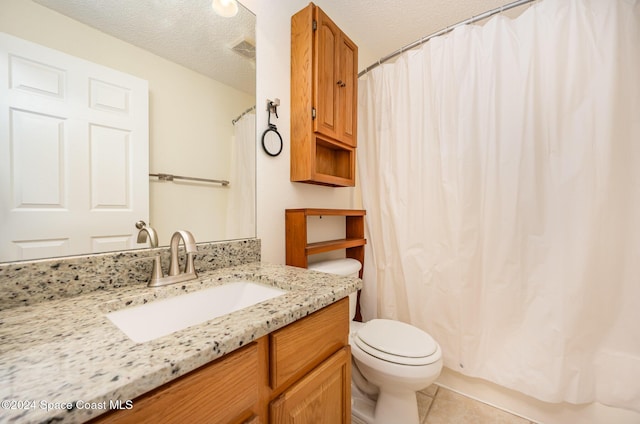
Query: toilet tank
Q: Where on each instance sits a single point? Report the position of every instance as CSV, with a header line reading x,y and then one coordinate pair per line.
x,y
346,267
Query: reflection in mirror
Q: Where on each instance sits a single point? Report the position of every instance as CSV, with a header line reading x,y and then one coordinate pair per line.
x,y
200,71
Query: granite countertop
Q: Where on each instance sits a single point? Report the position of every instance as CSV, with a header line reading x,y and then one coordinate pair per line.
x,y
66,354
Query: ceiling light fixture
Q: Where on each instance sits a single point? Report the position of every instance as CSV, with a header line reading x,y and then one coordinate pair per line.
x,y
225,8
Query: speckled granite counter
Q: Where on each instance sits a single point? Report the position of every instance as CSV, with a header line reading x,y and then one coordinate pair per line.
x,y
65,351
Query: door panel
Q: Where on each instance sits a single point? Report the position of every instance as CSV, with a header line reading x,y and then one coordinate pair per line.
x,y
322,397
324,96
37,158
108,97
36,77
109,169
348,93
74,144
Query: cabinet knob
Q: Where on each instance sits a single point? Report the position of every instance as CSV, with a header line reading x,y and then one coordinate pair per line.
x,y
340,83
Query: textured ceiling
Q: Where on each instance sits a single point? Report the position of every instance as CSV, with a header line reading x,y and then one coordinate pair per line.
x,y
184,31
190,33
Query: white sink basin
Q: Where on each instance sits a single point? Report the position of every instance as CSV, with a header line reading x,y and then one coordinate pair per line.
x,y
156,319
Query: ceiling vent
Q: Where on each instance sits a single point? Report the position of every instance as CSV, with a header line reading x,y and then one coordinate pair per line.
x,y
245,47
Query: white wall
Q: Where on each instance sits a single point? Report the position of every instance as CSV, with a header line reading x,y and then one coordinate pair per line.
x,y
189,117
275,191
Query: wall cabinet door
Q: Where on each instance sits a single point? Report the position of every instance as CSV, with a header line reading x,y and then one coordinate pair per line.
x,y
322,397
335,94
326,59
347,86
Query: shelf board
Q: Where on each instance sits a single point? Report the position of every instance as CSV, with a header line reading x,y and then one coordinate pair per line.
x,y
329,245
330,212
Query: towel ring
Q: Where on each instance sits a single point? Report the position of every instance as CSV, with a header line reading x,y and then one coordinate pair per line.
x,y
271,144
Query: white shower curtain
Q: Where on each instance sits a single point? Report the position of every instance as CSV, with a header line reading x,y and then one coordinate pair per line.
x,y
241,211
500,170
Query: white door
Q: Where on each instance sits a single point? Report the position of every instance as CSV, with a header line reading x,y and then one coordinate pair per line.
x,y
74,145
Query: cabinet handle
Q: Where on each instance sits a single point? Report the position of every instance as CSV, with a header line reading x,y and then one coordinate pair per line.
x,y
340,83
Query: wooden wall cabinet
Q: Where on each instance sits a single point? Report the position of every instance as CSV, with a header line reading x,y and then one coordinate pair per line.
x,y
300,373
324,93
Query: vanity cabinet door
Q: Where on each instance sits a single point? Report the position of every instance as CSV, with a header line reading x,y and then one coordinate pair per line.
x,y
321,397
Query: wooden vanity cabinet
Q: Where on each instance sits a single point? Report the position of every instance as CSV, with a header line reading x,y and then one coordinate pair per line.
x,y
300,373
324,92
310,373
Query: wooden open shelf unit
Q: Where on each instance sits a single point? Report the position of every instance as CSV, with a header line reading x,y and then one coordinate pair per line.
x,y
297,248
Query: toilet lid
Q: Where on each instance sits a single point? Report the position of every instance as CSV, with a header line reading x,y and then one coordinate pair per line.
x,y
397,342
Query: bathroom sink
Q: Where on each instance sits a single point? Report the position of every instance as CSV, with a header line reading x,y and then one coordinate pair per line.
x,y
162,317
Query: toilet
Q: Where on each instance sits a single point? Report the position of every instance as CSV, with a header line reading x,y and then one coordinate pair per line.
x,y
391,361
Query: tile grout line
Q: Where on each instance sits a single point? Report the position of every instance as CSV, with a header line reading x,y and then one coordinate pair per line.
x,y
433,400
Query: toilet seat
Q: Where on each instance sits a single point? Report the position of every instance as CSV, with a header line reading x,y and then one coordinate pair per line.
x,y
397,342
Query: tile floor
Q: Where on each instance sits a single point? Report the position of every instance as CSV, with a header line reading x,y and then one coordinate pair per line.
x,y
438,405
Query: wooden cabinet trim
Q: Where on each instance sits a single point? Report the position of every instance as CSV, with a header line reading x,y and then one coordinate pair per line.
x,y
301,98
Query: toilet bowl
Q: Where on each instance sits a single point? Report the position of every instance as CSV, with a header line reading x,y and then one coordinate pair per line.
x,y
391,361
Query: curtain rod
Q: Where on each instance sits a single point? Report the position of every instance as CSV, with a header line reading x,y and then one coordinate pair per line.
x,y
444,31
233,121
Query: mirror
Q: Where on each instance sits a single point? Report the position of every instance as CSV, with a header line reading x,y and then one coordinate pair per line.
x,y
200,68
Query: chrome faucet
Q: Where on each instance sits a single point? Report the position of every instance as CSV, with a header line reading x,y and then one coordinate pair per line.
x,y
175,275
